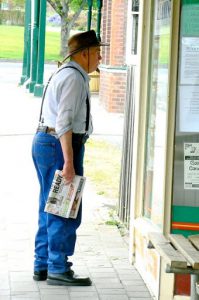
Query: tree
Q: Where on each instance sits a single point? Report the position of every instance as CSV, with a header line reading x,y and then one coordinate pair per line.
x,y
69,11
19,4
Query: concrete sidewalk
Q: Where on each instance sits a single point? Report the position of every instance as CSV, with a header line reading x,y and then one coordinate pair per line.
x,y
101,252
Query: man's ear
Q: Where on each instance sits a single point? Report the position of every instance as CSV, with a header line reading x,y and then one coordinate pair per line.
x,y
85,53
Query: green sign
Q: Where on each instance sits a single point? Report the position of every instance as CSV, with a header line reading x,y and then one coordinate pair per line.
x,y
190,18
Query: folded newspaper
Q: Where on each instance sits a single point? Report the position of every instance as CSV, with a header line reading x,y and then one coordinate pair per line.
x,y
64,199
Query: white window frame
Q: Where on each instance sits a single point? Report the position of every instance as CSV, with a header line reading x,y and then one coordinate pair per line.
x,y
131,59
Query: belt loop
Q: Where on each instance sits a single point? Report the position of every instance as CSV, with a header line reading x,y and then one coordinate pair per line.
x,y
42,128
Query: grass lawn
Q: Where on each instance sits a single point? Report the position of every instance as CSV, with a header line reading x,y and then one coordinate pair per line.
x,y
102,167
12,43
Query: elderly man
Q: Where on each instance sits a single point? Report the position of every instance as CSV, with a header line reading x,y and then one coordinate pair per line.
x,y
65,125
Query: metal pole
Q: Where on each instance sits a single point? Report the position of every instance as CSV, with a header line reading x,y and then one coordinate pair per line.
x,y
27,36
29,48
38,89
34,46
194,280
99,14
90,6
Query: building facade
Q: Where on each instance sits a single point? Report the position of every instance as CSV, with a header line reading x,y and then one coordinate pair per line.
x,y
159,42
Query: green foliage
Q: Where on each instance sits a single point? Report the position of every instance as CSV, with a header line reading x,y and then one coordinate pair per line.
x,y
115,221
19,3
75,4
12,17
14,4
111,222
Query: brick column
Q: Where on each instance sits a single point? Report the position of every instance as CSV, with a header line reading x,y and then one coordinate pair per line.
x,y
113,74
118,32
106,30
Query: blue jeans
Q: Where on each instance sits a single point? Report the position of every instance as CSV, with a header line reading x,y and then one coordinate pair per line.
x,y
56,236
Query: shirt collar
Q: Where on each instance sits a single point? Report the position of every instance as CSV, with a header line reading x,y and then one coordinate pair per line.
x,y
76,65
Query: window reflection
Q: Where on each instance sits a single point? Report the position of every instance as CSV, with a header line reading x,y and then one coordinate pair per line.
x,y
135,5
135,20
157,110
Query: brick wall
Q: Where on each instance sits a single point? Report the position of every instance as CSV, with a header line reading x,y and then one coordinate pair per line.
x,y
112,76
118,32
113,90
106,30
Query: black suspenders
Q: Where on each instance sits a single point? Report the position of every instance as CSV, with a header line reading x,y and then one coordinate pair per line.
x,y
87,99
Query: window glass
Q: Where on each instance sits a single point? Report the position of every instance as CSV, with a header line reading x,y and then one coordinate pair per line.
x,y
157,113
135,5
134,34
135,20
185,208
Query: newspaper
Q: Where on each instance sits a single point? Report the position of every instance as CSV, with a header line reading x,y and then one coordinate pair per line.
x,y
64,199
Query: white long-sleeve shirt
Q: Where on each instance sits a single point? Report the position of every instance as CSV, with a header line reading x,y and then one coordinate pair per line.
x,y
64,105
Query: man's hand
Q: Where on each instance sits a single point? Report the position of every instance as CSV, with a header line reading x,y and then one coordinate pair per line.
x,y
68,172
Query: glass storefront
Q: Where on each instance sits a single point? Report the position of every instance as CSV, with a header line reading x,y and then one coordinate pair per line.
x,y
157,112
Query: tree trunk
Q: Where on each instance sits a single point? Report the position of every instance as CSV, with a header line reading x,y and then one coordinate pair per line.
x,y
67,24
65,33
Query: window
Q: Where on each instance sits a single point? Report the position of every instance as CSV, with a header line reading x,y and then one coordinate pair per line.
x,y
135,20
132,31
185,208
157,113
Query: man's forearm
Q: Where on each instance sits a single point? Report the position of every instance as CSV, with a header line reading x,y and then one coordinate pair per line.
x,y
66,144
67,149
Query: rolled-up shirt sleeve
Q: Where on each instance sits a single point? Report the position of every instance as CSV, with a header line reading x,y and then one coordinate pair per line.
x,y
69,102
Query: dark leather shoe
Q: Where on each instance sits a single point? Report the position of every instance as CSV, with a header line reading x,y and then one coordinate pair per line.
x,y
40,275
67,278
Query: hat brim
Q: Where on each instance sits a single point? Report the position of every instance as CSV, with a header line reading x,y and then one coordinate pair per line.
x,y
100,44
104,44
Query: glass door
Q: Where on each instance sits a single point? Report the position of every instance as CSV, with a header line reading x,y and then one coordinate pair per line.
x,y
157,112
